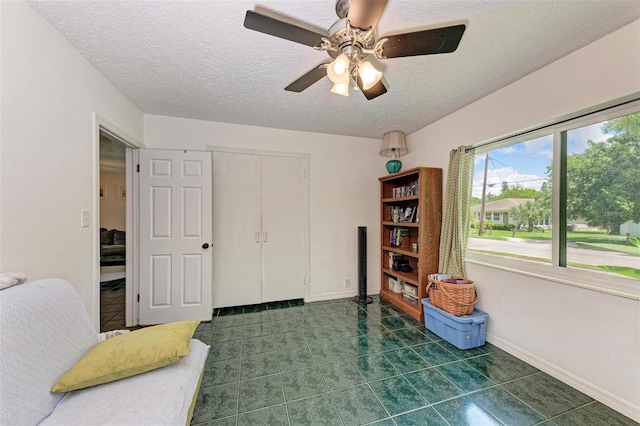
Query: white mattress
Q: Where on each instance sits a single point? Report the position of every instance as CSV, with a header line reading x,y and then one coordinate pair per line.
x,y
159,397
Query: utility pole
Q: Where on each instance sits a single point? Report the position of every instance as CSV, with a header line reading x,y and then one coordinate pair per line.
x,y
484,193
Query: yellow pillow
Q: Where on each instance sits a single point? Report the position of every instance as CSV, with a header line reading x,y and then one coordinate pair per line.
x,y
129,354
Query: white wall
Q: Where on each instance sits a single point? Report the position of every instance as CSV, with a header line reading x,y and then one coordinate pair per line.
x,y
49,162
344,190
589,339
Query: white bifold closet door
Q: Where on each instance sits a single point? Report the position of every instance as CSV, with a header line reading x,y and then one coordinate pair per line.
x,y
258,226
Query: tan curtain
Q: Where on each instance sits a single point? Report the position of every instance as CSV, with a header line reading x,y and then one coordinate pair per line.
x,y
455,216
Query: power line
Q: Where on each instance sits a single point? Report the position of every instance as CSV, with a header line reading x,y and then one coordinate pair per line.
x,y
507,166
495,169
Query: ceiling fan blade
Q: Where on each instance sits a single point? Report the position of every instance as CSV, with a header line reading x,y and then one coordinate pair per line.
x,y
365,14
427,42
373,92
268,25
308,79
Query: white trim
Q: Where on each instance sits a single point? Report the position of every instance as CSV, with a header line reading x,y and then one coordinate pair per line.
x,y
99,124
135,236
305,200
334,295
595,392
613,285
616,112
512,140
555,199
131,314
216,148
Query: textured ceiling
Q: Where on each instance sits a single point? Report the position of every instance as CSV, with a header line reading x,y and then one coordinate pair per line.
x,y
195,59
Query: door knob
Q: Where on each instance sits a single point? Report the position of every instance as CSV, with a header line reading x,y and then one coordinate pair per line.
x,y
205,246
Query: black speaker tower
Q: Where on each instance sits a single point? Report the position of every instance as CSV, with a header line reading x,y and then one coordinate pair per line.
x,y
362,298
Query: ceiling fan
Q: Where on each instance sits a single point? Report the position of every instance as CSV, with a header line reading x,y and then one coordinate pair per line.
x,y
351,41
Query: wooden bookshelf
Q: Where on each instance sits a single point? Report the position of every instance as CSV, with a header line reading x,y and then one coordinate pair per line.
x,y
414,195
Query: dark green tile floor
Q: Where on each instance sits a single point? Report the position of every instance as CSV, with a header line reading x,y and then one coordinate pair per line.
x,y
338,363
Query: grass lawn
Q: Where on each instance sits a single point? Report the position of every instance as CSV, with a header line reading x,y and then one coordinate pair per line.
x,y
619,270
624,248
591,239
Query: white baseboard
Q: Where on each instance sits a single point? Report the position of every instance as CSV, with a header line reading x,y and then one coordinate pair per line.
x,y
607,398
331,296
340,295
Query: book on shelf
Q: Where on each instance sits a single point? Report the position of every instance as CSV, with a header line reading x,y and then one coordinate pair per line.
x,y
405,191
396,236
402,214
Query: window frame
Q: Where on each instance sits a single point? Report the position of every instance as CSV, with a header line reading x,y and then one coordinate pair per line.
x,y
557,271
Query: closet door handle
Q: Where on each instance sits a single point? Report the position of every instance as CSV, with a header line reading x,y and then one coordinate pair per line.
x,y
257,236
265,236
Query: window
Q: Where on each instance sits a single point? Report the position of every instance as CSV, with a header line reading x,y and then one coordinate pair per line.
x,y
585,217
602,181
517,176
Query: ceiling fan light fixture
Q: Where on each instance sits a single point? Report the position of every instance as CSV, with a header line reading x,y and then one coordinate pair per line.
x,y
349,40
369,74
341,88
338,70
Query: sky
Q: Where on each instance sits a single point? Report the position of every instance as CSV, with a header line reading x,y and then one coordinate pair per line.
x,y
526,163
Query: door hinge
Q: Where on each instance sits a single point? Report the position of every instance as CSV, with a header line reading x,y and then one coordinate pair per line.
x,y
138,168
138,298
304,172
304,281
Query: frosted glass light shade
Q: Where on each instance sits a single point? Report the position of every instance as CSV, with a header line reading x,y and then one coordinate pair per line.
x,y
369,75
338,70
393,141
341,88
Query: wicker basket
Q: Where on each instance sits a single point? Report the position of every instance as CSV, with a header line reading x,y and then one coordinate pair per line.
x,y
457,299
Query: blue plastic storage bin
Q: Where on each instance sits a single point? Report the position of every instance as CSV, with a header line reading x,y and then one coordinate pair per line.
x,y
464,332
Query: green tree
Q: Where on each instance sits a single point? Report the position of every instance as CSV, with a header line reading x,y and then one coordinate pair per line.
x,y
529,212
517,191
475,201
603,182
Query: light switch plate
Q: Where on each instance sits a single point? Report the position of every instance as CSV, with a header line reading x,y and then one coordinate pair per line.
x,y
85,218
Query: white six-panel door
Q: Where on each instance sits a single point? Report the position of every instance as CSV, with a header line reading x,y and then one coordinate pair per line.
x,y
175,232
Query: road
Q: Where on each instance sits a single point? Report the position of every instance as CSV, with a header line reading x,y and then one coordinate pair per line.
x,y
542,249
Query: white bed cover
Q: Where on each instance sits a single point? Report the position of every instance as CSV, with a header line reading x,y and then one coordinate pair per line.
x,y
159,397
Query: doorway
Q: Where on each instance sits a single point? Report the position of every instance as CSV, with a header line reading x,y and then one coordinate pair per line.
x,y
113,229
